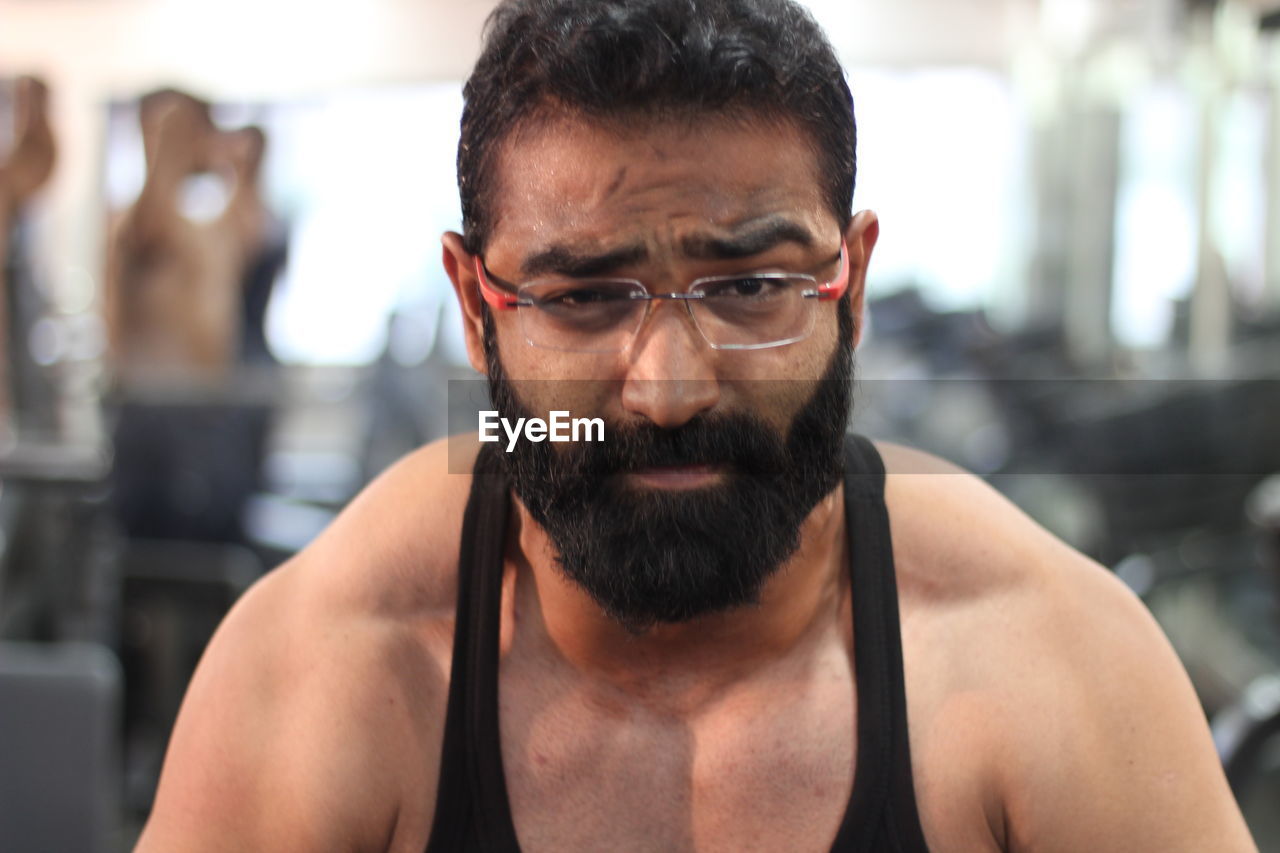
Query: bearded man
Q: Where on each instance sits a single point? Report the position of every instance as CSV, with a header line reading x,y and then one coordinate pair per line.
x,y
725,627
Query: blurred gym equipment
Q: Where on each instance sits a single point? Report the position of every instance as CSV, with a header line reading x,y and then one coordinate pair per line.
x,y
59,747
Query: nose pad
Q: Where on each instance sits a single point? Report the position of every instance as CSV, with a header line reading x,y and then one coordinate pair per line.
x,y
670,377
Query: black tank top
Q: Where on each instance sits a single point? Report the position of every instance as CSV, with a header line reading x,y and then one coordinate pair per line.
x,y
472,811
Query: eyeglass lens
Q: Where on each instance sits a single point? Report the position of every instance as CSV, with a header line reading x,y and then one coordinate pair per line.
x,y
603,316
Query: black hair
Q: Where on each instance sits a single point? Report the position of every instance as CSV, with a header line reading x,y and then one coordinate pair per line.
x,y
612,59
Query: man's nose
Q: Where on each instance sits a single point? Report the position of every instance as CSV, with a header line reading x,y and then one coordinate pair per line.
x,y
670,374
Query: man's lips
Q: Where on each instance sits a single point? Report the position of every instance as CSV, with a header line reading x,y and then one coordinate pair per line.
x,y
677,476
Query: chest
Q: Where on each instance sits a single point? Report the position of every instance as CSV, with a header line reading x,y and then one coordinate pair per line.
x,y
769,767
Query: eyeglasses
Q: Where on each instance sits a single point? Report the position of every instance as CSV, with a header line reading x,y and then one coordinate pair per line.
x,y
602,315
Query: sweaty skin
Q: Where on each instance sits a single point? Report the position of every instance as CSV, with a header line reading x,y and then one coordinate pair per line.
x,y
1047,712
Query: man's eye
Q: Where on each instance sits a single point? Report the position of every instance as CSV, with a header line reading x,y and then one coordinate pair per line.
x,y
573,297
746,287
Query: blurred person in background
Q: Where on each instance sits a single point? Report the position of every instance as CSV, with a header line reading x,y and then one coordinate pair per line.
x,y
702,633
174,282
190,268
26,168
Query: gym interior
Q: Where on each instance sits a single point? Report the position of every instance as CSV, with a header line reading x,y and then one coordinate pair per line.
x,y
1076,295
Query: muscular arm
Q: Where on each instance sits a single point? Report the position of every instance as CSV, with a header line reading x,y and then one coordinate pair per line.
x,y
267,753
1116,754
1048,680
314,720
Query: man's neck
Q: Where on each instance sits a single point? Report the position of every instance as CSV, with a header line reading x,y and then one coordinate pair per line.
x,y
690,663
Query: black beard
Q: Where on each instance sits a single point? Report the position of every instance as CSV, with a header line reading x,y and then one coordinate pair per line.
x,y
651,557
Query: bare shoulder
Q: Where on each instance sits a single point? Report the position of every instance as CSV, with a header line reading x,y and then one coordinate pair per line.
x,y
315,718
394,549
959,542
1039,660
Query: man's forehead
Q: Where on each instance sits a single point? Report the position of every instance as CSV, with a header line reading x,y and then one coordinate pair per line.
x,y
598,183
703,241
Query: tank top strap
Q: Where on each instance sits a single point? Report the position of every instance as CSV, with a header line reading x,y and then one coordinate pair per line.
x,y
882,813
471,798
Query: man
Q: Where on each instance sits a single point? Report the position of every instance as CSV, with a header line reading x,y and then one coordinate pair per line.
x,y
686,637
174,284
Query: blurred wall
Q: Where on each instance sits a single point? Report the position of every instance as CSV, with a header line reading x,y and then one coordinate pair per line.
x,y
91,51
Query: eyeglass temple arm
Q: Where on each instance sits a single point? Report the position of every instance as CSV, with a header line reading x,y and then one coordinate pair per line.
x,y
835,288
496,299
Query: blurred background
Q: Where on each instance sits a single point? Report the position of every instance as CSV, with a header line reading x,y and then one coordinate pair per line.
x,y
1076,295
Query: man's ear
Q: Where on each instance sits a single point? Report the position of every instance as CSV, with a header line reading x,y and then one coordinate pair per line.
x,y
860,239
459,264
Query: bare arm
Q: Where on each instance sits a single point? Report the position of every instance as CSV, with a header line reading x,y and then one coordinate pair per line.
x,y
1113,753
246,215
315,719
266,754
32,160
1087,730
182,140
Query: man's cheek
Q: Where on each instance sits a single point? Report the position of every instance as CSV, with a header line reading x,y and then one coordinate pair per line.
x,y
578,397
776,403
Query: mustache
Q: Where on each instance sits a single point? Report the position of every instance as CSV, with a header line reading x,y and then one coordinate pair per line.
x,y
737,441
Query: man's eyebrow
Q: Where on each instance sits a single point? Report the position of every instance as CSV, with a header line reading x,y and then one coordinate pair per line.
x,y
565,260
754,241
